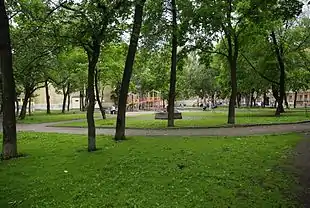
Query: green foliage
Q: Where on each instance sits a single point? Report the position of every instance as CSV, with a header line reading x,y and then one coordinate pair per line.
x,y
201,79
33,46
71,68
152,71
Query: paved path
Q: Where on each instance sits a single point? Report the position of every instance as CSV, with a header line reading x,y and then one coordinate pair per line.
x,y
237,131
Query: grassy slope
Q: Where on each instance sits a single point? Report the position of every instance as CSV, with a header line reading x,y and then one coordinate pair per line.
x,y
145,172
203,119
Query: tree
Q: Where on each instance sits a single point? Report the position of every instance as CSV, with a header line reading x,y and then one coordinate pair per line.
x,y
33,47
109,71
173,73
201,77
9,148
121,114
67,74
90,25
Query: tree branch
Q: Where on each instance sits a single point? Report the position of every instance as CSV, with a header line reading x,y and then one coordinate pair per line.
x,y
259,73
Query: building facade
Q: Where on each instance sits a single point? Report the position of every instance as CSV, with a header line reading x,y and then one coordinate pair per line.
x,y
38,102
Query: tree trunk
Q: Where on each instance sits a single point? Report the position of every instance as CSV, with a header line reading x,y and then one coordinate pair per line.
x,y
47,96
29,107
93,56
24,106
173,72
275,93
279,55
121,113
233,51
98,97
252,99
69,102
247,100
232,110
213,99
81,100
91,101
64,101
9,147
286,103
295,99
264,100
238,100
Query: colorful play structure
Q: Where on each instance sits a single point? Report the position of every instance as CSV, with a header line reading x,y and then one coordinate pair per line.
x,y
151,101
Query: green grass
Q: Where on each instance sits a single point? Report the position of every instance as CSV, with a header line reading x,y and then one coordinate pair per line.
x,y
203,119
145,172
55,116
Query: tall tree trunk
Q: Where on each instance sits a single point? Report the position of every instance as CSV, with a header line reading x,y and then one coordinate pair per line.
x,y
295,99
93,56
9,147
233,51
232,110
286,103
23,111
279,54
47,96
173,72
29,106
64,101
69,102
122,100
91,107
97,95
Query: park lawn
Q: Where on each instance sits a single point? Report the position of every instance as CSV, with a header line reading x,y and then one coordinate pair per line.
x,y
202,119
55,116
149,172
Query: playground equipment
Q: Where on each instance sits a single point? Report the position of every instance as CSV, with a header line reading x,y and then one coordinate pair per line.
x,y
152,101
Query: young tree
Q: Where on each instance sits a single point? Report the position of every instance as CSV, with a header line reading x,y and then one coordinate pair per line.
x,y
121,114
9,148
90,25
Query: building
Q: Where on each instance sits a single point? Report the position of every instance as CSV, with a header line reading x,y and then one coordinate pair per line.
x,y
302,98
56,99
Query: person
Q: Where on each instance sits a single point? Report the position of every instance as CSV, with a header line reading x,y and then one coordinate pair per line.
x,y
113,110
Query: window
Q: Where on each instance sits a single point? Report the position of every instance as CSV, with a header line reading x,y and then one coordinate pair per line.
x,y
306,97
76,101
291,98
300,97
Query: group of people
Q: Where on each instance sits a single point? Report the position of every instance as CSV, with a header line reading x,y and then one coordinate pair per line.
x,y
208,105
